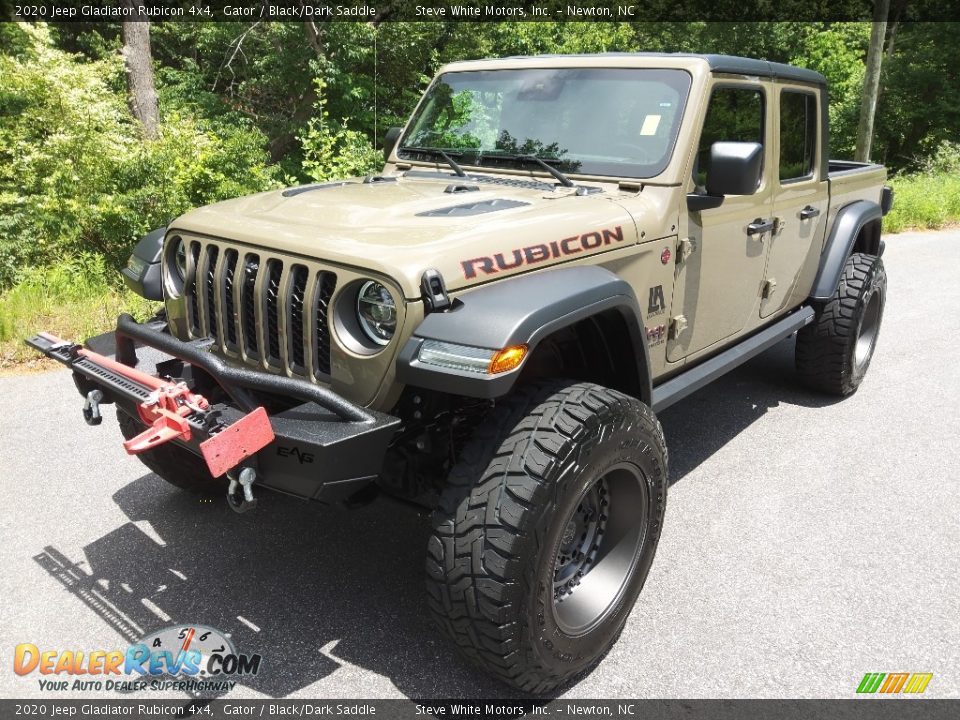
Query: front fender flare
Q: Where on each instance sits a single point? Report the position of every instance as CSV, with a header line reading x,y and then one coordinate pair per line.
x,y
521,310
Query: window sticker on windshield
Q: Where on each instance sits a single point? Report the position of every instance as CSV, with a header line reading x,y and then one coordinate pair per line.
x,y
650,125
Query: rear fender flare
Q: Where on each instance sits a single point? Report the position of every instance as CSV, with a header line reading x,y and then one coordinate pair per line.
x,y
847,226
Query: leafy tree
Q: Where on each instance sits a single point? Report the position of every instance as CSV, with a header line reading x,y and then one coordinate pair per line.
x,y
918,108
75,173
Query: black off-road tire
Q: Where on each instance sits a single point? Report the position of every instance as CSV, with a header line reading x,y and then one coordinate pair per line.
x,y
176,465
548,457
834,351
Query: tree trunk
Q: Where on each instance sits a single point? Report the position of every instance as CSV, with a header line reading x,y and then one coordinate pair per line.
x,y
142,93
871,83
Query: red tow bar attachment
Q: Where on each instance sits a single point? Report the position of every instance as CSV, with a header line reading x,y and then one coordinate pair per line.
x,y
165,412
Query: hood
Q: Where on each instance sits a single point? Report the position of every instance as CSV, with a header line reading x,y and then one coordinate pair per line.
x,y
472,229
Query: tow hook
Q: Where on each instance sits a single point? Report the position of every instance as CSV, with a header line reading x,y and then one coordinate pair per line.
x,y
91,408
240,493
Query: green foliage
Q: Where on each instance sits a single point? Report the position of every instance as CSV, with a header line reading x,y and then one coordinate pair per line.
x,y
919,91
930,198
75,173
74,299
925,200
945,159
838,52
331,150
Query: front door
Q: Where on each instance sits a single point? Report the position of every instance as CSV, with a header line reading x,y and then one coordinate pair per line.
x,y
719,278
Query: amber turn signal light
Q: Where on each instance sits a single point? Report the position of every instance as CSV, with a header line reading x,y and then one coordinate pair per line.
x,y
507,359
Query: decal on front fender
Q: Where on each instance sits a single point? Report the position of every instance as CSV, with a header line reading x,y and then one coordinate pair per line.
x,y
531,254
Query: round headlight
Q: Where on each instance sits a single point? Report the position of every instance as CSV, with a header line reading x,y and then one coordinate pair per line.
x,y
174,266
180,259
376,312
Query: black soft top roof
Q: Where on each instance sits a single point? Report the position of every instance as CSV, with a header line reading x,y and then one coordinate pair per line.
x,y
723,64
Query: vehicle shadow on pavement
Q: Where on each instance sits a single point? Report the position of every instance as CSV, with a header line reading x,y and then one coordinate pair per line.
x,y
314,589
701,424
323,586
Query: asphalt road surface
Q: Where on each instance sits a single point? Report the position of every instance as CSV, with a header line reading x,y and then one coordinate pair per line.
x,y
807,541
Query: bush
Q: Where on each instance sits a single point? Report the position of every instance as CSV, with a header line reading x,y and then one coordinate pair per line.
x,y
75,173
331,150
927,200
945,159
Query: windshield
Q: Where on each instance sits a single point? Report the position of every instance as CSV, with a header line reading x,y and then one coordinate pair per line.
x,y
621,122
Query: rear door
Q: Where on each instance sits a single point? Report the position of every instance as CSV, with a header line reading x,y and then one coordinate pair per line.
x,y
800,198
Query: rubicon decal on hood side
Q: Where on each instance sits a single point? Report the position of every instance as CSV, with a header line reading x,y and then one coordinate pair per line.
x,y
538,253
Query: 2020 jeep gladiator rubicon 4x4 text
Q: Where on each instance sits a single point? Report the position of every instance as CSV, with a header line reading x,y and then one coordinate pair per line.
x,y
556,249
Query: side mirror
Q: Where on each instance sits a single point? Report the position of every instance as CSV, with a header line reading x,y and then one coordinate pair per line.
x,y
735,168
390,142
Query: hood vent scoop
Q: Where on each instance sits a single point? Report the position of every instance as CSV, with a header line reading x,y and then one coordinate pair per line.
x,y
477,208
453,189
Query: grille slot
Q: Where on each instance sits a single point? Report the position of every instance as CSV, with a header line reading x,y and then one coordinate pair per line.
x,y
272,292
326,283
210,287
192,294
248,301
228,303
295,335
269,312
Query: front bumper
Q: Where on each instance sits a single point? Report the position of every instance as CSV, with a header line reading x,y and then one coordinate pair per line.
x,y
324,447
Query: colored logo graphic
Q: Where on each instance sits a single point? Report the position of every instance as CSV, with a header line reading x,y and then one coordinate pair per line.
x,y
891,683
194,652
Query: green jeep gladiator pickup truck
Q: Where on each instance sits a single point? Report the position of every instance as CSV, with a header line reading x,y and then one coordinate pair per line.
x,y
557,248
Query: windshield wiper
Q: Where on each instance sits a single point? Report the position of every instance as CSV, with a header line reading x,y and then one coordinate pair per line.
x,y
564,180
542,162
437,152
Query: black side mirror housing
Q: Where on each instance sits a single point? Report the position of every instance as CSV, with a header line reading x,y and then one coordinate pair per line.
x,y
735,168
390,142
142,273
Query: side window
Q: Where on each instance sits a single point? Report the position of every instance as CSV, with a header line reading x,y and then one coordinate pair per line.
x,y
734,114
798,134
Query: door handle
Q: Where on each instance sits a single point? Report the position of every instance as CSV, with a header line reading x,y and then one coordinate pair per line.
x,y
809,212
760,226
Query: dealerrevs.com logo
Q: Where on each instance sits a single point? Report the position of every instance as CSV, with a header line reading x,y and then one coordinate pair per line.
x,y
192,658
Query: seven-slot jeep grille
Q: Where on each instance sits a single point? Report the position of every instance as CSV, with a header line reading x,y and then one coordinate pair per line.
x,y
264,310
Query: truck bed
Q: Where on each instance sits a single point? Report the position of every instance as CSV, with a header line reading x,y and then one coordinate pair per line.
x,y
850,181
